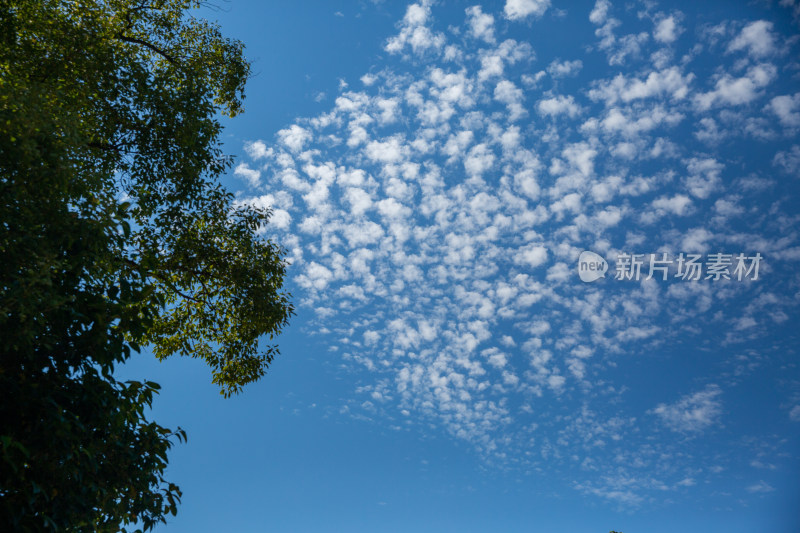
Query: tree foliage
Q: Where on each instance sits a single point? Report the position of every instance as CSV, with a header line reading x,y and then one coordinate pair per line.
x,y
114,233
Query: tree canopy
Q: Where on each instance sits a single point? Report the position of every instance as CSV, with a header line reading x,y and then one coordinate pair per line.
x,y
115,233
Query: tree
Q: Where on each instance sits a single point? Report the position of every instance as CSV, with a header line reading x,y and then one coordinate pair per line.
x,y
115,233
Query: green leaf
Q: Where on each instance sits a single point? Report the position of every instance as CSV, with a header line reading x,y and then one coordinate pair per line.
x,y
102,100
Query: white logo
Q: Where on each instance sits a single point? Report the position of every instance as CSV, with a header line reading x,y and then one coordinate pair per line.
x,y
591,267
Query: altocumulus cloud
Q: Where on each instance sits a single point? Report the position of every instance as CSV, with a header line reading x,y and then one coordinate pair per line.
x,y
434,215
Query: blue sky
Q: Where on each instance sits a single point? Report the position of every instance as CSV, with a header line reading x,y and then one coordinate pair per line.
x,y
435,169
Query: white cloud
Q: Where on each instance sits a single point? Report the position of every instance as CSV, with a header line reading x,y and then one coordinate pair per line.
x,y
532,255
389,108
511,95
692,413
258,150
369,79
580,157
294,137
414,32
520,9
291,179
599,13
558,105
618,49
668,82
479,159
316,276
391,208
252,176
556,382
728,207
608,217
709,131
457,143
279,218
526,183
389,151
633,123
626,46
563,69
756,38
667,30
737,91
358,135
704,176
677,205
481,25
570,202
788,160
359,199
762,487
696,240
787,109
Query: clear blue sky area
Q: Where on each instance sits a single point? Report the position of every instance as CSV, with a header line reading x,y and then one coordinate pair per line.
x,y
436,171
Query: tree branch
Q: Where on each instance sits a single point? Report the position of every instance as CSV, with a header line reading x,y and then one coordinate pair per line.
x,y
152,47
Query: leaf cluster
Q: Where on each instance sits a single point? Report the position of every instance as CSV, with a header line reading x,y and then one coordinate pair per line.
x,y
114,233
